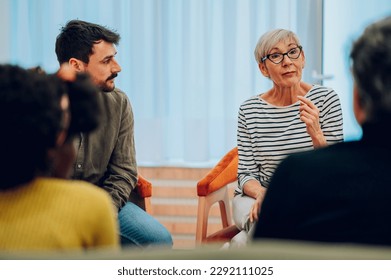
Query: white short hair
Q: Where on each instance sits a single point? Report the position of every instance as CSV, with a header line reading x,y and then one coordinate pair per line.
x,y
268,40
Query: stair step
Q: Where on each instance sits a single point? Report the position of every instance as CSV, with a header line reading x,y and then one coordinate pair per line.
x,y
188,228
175,202
173,173
181,210
174,192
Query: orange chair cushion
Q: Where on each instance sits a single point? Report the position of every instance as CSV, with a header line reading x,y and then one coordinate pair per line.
x,y
144,187
223,173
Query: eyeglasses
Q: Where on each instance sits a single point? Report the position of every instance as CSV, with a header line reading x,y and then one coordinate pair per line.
x,y
276,58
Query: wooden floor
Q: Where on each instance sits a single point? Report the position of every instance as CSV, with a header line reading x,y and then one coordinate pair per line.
x,y
174,202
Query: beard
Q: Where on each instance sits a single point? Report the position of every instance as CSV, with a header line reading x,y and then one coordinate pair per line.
x,y
108,85
105,87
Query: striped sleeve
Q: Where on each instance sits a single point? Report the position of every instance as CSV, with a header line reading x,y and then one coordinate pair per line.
x,y
246,156
331,117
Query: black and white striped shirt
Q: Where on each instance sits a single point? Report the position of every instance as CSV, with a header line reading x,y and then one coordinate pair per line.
x,y
268,133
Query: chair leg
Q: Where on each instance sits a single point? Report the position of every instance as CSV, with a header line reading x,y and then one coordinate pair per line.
x,y
204,205
202,220
225,209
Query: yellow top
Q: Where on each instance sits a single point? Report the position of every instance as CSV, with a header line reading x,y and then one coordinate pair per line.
x,y
56,214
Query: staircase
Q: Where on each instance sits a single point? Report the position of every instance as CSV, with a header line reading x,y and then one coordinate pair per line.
x,y
174,202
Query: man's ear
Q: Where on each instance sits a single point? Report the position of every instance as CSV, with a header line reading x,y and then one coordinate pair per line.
x,y
358,107
76,64
263,69
66,72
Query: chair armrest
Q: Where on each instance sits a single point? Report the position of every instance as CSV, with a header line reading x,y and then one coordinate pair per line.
x,y
223,173
144,187
141,196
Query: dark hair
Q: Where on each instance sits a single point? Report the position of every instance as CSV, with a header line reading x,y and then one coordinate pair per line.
x,y
85,105
85,102
371,66
30,119
77,38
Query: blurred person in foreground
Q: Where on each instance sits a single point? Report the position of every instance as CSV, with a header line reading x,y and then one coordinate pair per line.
x,y
342,193
37,211
290,117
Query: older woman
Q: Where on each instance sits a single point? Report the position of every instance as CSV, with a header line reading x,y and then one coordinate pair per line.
x,y
292,116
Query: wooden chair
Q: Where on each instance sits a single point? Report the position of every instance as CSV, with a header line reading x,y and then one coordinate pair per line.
x,y
211,189
142,194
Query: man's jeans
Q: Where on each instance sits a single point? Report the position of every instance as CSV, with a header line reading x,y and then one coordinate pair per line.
x,y
138,228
